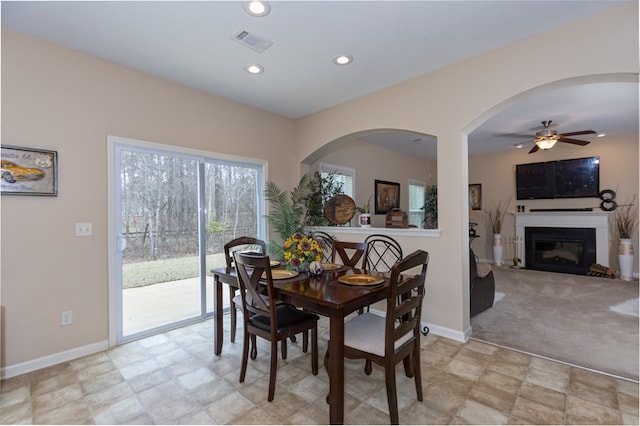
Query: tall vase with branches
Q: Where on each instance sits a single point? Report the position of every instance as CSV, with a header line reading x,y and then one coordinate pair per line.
x,y
496,216
625,224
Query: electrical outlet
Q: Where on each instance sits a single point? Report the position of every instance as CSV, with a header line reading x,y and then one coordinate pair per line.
x,y
84,229
66,318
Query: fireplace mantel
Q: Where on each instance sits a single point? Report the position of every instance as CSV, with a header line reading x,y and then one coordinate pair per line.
x,y
569,219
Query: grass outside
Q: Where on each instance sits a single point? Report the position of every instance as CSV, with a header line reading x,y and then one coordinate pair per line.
x,y
140,274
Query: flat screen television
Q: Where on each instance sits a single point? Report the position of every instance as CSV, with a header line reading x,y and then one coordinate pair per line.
x,y
575,178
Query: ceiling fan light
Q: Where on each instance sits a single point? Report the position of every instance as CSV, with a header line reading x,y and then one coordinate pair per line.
x,y
546,143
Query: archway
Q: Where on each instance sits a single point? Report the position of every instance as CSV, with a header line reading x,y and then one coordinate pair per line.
x,y
398,155
616,134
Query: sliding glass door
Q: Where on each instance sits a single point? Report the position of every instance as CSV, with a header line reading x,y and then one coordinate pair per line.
x,y
172,213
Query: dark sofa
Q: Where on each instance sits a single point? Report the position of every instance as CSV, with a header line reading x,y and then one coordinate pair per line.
x,y
482,288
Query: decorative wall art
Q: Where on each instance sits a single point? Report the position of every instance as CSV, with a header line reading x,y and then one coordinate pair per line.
x,y
387,196
475,196
28,171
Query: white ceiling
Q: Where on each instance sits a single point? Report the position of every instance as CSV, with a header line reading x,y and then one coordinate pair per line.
x,y
392,41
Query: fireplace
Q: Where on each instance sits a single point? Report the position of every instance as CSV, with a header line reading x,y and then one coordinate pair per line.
x,y
566,247
567,250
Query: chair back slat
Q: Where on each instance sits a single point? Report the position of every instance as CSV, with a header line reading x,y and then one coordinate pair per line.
x,y
326,242
243,245
249,269
404,304
349,253
404,328
382,252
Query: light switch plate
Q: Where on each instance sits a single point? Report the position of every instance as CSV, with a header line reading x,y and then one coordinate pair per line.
x,y
84,229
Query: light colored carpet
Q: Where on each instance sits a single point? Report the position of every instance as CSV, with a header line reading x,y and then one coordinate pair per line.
x,y
628,307
568,318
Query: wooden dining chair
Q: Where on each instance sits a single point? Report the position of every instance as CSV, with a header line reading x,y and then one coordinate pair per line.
x,y
387,341
266,318
242,244
382,253
327,244
349,253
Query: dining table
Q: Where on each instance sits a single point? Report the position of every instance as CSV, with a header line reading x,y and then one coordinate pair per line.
x,y
326,294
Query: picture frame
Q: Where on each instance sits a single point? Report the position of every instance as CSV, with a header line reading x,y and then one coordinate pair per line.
x,y
475,196
387,196
28,171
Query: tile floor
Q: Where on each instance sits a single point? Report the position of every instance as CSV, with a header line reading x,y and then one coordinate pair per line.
x,y
174,378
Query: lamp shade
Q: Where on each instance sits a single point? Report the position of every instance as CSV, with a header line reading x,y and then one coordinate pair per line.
x,y
546,143
546,139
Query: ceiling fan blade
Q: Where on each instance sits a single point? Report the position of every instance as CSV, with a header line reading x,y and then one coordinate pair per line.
x,y
534,149
573,141
583,132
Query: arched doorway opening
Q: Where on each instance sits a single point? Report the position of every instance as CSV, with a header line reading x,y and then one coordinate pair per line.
x,y
605,103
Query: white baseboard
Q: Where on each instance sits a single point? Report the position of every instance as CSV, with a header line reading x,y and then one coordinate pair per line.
x,y
448,332
438,330
49,360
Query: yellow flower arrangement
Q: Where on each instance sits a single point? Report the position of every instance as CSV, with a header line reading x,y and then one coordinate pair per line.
x,y
300,251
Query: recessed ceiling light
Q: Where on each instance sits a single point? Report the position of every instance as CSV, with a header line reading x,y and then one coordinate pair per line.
x,y
343,59
518,145
254,69
601,135
257,8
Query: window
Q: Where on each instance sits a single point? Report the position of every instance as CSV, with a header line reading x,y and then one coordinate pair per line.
x,y
416,201
345,175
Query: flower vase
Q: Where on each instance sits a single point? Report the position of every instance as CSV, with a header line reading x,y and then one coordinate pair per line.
x,y
304,267
497,249
625,259
365,220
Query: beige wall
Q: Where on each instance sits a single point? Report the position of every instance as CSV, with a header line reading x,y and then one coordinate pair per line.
x,y
451,102
496,173
53,98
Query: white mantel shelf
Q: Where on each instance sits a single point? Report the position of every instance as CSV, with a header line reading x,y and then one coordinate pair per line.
x,y
569,219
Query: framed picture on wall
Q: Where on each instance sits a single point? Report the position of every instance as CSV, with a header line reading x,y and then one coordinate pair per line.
x,y
475,196
387,196
28,171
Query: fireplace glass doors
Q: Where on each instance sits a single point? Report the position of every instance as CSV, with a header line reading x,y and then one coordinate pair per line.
x,y
568,250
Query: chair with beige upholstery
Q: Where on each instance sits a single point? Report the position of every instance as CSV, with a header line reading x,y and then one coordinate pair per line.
x,y
387,341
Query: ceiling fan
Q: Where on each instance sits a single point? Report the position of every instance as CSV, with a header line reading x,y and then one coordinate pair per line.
x,y
547,138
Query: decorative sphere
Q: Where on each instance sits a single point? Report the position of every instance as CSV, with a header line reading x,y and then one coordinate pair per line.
x,y
316,268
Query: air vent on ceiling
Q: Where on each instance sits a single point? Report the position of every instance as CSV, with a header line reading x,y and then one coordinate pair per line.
x,y
251,40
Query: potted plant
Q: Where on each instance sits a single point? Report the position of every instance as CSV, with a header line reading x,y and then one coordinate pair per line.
x,y
318,189
294,211
496,218
365,214
430,208
625,223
